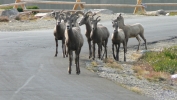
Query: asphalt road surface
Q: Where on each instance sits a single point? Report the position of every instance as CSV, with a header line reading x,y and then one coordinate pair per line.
x,y
29,70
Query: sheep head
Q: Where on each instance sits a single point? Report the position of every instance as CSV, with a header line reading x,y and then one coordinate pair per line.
x,y
94,23
71,21
85,18
120,19
115,25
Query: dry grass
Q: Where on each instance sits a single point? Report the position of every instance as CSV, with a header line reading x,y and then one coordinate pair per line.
x,y
110,62
173,13
136,89
94,63
26,17
136,55
4,19
144,70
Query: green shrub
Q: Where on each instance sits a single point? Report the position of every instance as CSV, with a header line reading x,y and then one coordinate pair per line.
x,y
20,9
33,7
165,61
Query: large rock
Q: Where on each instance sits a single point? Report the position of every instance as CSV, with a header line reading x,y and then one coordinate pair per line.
x,y
156,13
101,11
9,13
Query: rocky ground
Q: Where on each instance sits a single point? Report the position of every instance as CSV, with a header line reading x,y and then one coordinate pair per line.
x,y
163,90
125,76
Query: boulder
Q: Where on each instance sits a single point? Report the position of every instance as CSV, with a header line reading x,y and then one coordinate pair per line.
x,y
9,13
101,11
156,13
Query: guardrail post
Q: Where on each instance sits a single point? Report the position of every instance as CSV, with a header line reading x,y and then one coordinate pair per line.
x,y
16,6
80,5
142,11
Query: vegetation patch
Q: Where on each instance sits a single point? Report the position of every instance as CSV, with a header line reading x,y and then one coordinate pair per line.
x,y
136,89
165,61
94,63
4,19
157,66
173,13
110,62
33,7
7,8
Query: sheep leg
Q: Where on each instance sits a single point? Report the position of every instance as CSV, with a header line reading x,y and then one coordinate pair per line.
x,y
142,36
117,52
105,49
56,40
126,41
113,51
77,62
90,49
70,61
139,40
125,50
93,57
66,50
63,48
99,50
105,46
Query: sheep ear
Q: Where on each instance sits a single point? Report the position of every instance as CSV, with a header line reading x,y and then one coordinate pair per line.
x,y
120,14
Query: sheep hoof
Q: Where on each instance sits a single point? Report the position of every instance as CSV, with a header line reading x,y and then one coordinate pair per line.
x,y
93,58
69,71
90,57
78,72
55,56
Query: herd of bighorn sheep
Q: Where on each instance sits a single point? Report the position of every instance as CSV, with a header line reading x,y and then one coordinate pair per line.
x,y
68,30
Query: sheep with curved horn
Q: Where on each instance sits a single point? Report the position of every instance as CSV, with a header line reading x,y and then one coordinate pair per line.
x,y
87,21
134,30
99,35
74,42
59,31
117,38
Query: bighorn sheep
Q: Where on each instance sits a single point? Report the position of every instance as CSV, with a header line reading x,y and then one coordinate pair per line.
x,y
132,30
117,38
99,35
74,42
86,20
73,17
59,31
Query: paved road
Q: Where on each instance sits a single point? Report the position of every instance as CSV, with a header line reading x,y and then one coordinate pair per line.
x,y
29,70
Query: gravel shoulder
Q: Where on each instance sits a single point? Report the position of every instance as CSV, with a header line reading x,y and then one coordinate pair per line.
x,y
124,77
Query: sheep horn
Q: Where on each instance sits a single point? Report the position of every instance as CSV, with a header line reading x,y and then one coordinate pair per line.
x,y
93,16
62,11
73,15
98,17
79,12
88,13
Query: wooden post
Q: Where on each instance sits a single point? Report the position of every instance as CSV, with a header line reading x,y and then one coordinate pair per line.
x,y
16,6
80,5
139,2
